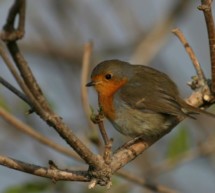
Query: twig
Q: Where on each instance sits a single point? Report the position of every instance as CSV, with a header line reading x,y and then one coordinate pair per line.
x,y
191,54
204,149
32,133
138,180
103,131
108,143
153,41
54,174
200,86
84,77
84,93
10,33
206,8
15,91
18,8
14,72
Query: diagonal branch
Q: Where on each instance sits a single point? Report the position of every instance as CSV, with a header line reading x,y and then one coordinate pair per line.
x,y
52,173
191,54
142,182
200,86
15,91
34,93
34,134
10,33
206,8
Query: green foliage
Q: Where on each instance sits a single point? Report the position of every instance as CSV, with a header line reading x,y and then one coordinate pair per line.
x,y
30,187
179,144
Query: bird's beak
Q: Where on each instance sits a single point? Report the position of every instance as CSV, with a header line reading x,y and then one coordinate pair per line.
x,y
92,83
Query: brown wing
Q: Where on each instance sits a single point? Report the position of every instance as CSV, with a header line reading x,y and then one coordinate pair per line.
x,y
152,91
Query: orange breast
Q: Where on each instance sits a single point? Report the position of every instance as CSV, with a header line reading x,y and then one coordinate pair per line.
x,y
106,103
106,94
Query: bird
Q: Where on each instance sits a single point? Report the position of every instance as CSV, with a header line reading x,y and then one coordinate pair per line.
x,y
139,100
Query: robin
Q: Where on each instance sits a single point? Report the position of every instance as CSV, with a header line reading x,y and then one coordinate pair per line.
x,y
139,100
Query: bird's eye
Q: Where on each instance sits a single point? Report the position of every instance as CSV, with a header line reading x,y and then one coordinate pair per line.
x,y
108,76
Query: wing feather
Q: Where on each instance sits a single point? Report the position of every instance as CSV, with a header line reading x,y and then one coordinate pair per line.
x,y
152,91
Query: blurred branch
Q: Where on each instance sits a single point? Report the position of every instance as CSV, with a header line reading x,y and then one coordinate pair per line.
x,y
15,74
206,8
35,135
142,182
84,77
14,90
206,148
151,44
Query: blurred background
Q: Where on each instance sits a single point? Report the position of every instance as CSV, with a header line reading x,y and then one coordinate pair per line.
x,y
138,31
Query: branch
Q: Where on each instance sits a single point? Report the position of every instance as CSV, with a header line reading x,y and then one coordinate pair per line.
x,y
15,91
191,54
10,33
15,74
206,8
84,77
52,173
153,41
32,133
34,93
144,183
44,140
205,149
200,86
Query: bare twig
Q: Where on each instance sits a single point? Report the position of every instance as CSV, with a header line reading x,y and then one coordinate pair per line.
x,y
10,33
142,182
200,86
191,54
14,72
15,91
84,78
31,132
54,174
206,8
205,149
18,8
149,45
